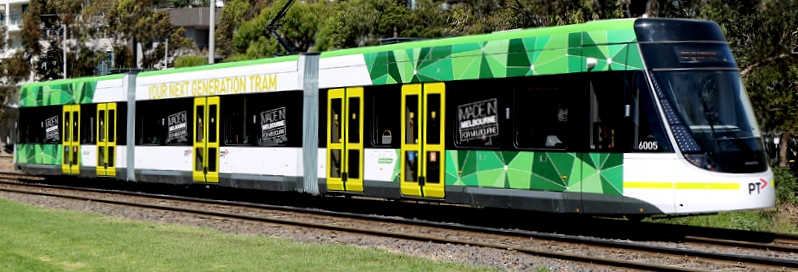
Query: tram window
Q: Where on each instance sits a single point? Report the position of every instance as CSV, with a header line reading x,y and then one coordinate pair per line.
x,y
34,124
234,110
354,120
648,135
75,123
111,125
335,120
30,130
88,126
101,125
52,126
478,112
121,123
176,120
151,122
212,112
278,118
411,119
544,115
433,120
386,118
607,112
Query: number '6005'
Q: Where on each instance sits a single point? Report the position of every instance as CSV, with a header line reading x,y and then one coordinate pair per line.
x,y
647,145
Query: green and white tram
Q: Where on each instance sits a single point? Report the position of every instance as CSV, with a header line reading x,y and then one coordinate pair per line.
x,y
624,117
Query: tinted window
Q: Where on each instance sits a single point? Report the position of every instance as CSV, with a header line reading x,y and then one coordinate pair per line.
x,y
608,116
549,112
478,111
386,115
236,124
278,118
648,134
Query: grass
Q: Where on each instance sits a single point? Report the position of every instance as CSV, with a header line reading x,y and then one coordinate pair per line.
x,y
779,221
38,239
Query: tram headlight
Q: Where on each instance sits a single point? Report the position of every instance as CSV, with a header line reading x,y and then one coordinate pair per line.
x,y
701,160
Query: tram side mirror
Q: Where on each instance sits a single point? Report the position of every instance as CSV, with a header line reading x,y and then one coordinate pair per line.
x,y
627,110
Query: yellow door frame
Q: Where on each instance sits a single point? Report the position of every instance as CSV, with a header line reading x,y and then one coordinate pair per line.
x,y
411,144
102,135
336,137
434,152
205,164
340,144
110,139
199,162
106,139
212,136
70,140
418,151
354,143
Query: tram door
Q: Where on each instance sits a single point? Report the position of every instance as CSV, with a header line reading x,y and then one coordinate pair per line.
x,y
206,139
70,139
423,146
345,140
106,139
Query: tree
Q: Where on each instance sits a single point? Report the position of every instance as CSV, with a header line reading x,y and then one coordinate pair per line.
x,y
300,26
233,14
134,20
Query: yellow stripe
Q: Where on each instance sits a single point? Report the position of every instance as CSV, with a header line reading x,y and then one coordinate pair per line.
x,y
648,185
681,185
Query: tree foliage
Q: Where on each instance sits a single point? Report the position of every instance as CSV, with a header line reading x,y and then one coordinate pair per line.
x,y
189,61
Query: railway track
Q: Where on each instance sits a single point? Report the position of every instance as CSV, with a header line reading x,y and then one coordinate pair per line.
x,y
783,243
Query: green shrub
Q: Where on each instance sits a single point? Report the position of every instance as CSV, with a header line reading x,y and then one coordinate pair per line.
x,y
188,61
785,186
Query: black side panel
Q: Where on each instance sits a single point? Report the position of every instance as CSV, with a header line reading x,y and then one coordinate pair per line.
x,y
168,177
255,182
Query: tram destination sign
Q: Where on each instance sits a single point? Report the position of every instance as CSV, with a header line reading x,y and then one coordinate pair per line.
x,y
478,120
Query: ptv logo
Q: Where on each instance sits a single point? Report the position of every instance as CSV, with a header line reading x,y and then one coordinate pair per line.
x,y
757,186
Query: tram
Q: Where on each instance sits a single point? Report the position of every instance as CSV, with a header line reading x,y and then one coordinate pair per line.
x,y
615,117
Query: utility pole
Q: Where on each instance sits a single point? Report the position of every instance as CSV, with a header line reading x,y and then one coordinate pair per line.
x,y
211,33
166,55
65,50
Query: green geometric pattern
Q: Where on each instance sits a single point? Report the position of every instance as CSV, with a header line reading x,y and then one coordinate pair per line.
x,y
38,154
600,173
80,92
614,50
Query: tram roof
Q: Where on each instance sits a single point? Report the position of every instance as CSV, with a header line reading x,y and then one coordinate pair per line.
x,y
604,29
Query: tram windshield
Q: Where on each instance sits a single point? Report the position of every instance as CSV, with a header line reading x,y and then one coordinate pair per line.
x,y
715,107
